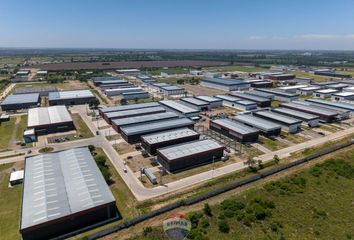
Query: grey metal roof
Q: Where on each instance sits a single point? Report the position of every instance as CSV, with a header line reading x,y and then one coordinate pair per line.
x,y
117,81
168,135
343,105
21,99
295,113
278,92
60,184
134,93
249,97
130,106
235,126
228,98
257,122
187,149
133,112
260,94
24,90
157,126
146,118
194,101
178,106
308,107
245,102
47,116
278,117
70,94
104,79
226,82
209,99
171,88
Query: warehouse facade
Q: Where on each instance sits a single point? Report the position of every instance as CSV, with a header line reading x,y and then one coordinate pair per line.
x,y
234,130
57,202
47,120
21,101
72,97
187,155
151,142
132,134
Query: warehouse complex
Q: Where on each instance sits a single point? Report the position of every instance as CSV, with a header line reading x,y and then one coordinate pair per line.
x,y
63,192
267,128
234,130
74,97
21,101
290,124
127,121
191,154
47,120
180,109
132,134
151,142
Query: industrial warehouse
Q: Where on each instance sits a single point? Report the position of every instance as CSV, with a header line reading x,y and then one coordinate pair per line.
x,y
238,103
225,84
152,142
105,110
181,109
234,130
196,103
290,124
132,113
191,154
74,97
261,101
310,119
127,121
132,134
20,101
267,128
212,101
47,120
57,202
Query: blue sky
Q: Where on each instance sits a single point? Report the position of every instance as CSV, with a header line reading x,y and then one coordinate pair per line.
x,y
183,24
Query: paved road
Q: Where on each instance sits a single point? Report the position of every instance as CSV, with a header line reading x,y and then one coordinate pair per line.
x,y
7,90
143,193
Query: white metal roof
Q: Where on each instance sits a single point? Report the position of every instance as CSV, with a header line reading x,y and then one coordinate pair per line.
x,y
21,99
168,135
187,149
178,106
344,94
326,91
60,184
70,94
17,175
48,115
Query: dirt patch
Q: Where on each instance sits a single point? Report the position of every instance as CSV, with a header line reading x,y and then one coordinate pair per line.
x,y
124,148
200,90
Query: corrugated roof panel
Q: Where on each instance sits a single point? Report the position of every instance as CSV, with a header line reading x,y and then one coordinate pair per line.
x,y
130,106
21,99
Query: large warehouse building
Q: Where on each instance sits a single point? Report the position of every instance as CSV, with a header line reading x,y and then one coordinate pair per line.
x,y
290,124
132,134
73,97
187,155
234,130
213,102
180,109
43,91
342,105
151,142
47,120
196,103
267,128
261,101
105,110
280,96
118,123
132,113
63,192
311,119
21,101
225,84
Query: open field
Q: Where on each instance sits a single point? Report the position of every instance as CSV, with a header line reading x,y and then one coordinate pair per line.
x,y
66,85
317,78
238,68
263,213
169,71
200,90
6,130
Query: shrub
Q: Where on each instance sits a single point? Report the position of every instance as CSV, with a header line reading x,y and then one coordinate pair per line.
x,y
207,210
92,148
194,217
204,223
224,227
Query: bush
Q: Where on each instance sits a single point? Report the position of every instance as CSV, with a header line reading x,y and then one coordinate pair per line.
x,y
91,148
204,223
275,225
194,218
207,210
224,227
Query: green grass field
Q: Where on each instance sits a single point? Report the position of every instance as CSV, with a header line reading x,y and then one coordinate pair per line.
x,y
81,126
239,68
6,129
21,128
316,203
10,202
169,71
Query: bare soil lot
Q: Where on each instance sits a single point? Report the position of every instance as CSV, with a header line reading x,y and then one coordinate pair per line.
x,y
200,90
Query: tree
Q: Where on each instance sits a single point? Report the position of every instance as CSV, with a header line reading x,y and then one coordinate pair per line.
x,y
136,100
250,162
276,159
91,148
207,210
94,103
224,227
123,101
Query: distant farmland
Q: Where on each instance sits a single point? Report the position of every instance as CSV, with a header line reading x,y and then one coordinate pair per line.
x,y
123,65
